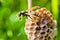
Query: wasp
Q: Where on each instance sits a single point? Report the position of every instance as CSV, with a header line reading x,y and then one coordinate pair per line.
x,y
24,13
27,14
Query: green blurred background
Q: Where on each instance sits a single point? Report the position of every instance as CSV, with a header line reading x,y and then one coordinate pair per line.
x,y
13,29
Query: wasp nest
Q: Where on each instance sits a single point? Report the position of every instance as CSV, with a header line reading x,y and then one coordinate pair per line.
x,y
41,25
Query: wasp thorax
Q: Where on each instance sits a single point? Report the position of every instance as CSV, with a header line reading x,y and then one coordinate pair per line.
x,y
41,25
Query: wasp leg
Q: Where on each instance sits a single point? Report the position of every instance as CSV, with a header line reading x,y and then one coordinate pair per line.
x,y
33,8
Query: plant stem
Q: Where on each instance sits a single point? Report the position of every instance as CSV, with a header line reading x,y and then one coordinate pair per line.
x,y
54,4
29,4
